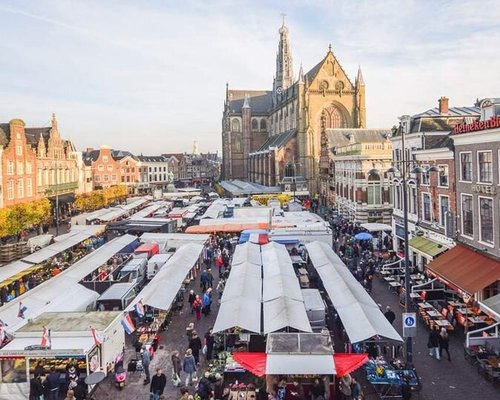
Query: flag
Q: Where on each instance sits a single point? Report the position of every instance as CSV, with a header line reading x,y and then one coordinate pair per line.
x,y
45,337
22,310
139,309
97,337
128,324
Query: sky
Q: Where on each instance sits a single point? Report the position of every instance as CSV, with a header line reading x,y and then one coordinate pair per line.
x,y
149,76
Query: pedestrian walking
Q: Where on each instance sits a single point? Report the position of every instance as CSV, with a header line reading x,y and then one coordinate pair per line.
x,y
204,280
189,366
433,343
209,342
220,288
356,390
444,342
198,305
207,301
317,390
158,384
176,368
389,314
184,393
189,331
191,299
345,386
204,389
195,346
37,388
52,383
146,360
210,278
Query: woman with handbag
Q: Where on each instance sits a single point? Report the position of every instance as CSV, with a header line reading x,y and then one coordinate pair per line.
x,y
189,367
176,369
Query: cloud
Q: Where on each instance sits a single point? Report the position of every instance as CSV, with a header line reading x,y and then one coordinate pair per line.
x,y
150,76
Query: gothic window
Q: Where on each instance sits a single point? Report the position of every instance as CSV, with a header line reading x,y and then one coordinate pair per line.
x,y
333,118
235,125
263,125
237,143
255,125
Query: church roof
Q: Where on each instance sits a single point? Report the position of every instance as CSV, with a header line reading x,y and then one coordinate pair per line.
x,y
278,140
342,137
260,101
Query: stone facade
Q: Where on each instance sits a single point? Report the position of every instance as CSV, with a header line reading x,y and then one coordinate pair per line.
x,y
252,119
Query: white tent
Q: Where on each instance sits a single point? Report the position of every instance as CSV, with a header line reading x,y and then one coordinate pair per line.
x,y
161,291
276,261
283,312
300,364
376,227
360,315
236,313
60,289
244,282
247,253
13,269
281,285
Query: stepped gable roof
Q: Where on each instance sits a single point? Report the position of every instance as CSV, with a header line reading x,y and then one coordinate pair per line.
x,y
278,140
260,101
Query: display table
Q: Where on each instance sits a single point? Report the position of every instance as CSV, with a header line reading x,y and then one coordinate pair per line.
x,y
387,380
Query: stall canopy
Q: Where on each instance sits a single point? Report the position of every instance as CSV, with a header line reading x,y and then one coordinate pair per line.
x,y
376,227
285,312
426,247
61,288
163,288
237,313
59,246
465,270
247,253
360,315
225,228
258,236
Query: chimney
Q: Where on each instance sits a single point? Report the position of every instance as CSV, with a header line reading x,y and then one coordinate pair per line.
x,y
443,105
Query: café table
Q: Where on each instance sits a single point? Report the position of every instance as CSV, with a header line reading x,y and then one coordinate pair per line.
x,y
425,305
389,279
415,295
476,320
433,313
442,323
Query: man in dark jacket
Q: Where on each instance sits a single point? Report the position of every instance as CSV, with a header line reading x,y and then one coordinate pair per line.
x,y
158,383
52,384
37,388
204,387
389,314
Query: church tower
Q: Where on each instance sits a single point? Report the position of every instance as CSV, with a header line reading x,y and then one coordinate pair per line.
x,y
284,67
360,100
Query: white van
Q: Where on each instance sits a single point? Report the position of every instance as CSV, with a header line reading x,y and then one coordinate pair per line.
x,y
38,242
135,271
117,297
155,263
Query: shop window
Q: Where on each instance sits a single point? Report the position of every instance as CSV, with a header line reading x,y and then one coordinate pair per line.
x,y
486,219
466,167
467,216
485,166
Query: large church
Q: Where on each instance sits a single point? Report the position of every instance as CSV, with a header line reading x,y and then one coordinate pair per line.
x,y
271,135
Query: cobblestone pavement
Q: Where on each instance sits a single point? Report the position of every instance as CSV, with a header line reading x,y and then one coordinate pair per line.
x,y
174,338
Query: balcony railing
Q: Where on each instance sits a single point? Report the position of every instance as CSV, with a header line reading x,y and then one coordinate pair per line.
x,y
60,188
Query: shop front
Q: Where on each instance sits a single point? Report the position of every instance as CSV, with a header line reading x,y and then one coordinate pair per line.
x,y
424,251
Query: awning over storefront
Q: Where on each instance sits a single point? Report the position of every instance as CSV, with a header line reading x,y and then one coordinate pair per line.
x,y
376,227
426,247
465,269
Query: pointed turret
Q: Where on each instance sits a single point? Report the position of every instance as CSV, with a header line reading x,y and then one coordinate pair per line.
x,y
301,75
246,104
359,78
54,120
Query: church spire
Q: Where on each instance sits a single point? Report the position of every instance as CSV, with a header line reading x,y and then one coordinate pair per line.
x,y
246,103
301,74
284,67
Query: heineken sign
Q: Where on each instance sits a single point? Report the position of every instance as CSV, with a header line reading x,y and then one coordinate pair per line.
x,y
493,122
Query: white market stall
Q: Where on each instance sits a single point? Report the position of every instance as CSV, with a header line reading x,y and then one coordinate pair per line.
x,y
360,315
71,341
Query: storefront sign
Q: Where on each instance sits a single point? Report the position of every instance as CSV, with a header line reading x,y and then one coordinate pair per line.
x,y
483,189
493,122
42,353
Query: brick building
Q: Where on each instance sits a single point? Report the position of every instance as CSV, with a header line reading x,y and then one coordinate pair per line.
x,y
105,168
18,163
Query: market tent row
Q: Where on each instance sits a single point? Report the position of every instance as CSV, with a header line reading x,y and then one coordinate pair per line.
x,y
241,302
273,297
112,214
151,209
19,268
168,241
59,246
61,291
135,203
163,288
360,315
225,228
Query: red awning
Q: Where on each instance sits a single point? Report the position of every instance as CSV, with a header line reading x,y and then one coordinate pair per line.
x,y
345,363
252,362
465,269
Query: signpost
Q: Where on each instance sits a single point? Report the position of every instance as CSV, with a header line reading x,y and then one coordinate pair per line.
x,y
409,325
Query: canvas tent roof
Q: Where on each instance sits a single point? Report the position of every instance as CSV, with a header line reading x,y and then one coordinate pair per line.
x,y
161,291
247,253
283,312
236,313
360,315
